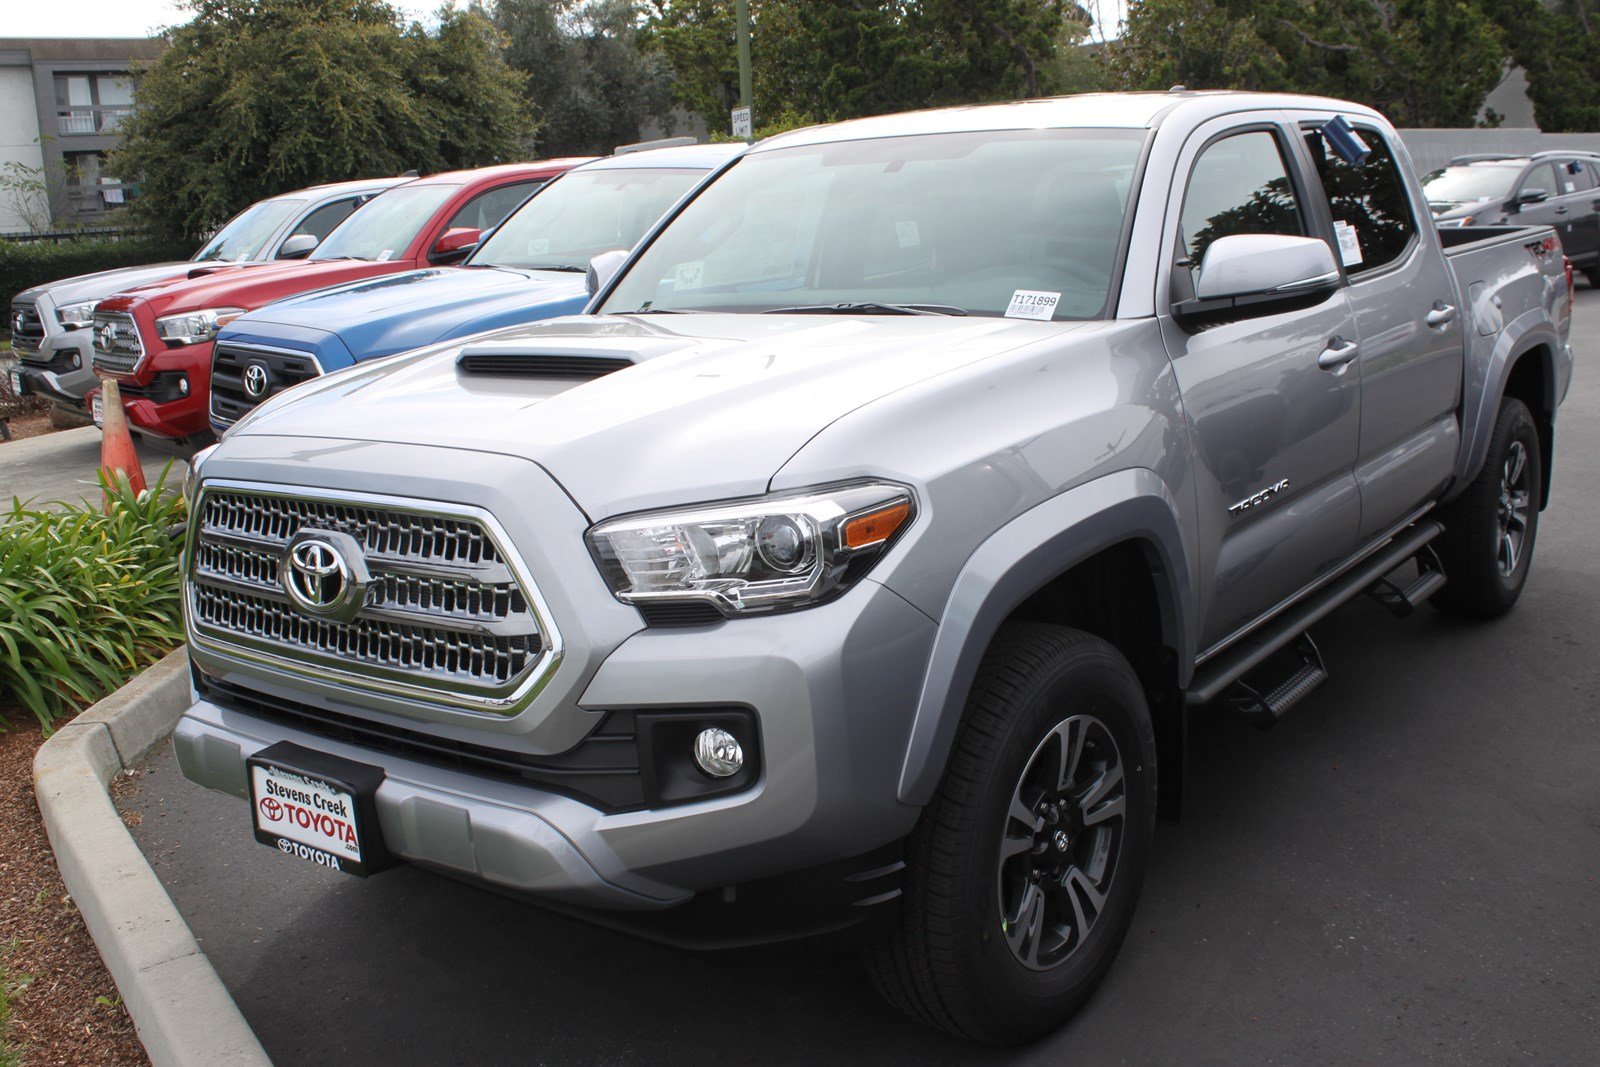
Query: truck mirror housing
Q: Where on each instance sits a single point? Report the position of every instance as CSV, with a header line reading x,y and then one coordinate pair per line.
x,y
1253,264
602,269
1532,196
298,247
455,243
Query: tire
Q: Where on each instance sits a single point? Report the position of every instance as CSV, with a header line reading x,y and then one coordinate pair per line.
x,y
1593,274
965,956
1495,521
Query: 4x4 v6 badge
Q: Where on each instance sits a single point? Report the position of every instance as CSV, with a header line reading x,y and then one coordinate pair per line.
x,y
325,573
1256,499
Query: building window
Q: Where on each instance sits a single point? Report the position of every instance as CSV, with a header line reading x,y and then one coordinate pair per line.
x,y
89,190
92,103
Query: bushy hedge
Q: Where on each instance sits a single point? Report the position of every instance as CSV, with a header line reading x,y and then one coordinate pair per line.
x,y
88,598
24,264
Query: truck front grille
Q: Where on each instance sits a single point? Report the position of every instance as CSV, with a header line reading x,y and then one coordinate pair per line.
x,y
27,329
231,394
117,348
445,618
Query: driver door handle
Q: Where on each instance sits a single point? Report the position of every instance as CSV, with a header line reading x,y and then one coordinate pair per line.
x,y
1441,313
1337,356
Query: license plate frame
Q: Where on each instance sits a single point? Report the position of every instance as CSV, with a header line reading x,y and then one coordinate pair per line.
x,y
19,387
317,807
97,410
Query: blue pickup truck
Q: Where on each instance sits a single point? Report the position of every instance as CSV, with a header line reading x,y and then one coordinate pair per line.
x,y
530,267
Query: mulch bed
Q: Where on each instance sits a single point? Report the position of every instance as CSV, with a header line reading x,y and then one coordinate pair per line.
x,y
24,426
68,1012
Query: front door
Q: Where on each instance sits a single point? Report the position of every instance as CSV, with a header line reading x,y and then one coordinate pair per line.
x,y
1274,433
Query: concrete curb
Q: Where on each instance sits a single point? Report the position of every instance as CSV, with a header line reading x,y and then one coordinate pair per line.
x,y
182,1011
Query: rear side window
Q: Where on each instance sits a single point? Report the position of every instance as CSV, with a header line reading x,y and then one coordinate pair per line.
x,y
489,209
1371,212
321,222
1239,185
1577,176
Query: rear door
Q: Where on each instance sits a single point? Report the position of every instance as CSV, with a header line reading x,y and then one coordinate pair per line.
x,y
1274,434
1539,179
1407,321
1575,210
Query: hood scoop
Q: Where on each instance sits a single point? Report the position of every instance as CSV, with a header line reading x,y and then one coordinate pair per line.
x,y
577,364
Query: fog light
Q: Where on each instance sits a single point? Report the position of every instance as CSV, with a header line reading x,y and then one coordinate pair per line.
x,y
718,753
183,386
77,361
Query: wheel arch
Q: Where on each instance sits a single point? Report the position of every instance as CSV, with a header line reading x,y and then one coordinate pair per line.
x,y
1128,520
1522,364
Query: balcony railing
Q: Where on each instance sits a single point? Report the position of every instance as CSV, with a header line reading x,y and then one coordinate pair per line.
x,y
90,118
84,200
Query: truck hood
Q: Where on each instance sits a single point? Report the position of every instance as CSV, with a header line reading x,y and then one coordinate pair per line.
x,y
101,284
381,316
714,406
250,287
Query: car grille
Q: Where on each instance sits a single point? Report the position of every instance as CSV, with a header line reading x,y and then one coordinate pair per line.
x,y
230,401
27,328
117,348
445,616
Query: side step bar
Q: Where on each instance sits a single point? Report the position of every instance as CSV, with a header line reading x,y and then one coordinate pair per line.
x,y
1250,652
1265,709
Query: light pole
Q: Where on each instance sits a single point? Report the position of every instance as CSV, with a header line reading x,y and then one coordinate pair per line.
x,y
741,14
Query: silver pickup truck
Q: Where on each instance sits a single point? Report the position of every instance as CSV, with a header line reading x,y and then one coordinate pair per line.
x,y
854,566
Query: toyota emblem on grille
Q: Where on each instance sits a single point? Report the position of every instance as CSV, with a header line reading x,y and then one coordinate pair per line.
x,y
105,335
256,381
324,573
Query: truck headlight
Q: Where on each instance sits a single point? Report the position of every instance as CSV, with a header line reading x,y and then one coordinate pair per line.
x,y
76,316
784,551
195,327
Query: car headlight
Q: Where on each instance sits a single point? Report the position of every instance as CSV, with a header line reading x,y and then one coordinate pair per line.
x,y
76,316
773,553
195,327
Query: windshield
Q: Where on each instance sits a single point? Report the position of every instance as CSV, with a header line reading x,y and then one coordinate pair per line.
x,y
1015,222
1470,182
247,232
386,225
584,214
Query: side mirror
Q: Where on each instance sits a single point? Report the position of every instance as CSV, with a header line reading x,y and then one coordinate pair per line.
x,y
1532,196
602,269
299,246
455,243
1252,264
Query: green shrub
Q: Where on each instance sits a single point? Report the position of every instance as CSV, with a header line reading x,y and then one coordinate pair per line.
x,y
87,598
24,264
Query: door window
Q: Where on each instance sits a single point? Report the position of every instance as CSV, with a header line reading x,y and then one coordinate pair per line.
x,y
1371,212
1577,176
489,209
1542,177
321,222
1239,185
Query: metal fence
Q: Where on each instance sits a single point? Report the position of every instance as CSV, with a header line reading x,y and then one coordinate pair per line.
x,y
1432,149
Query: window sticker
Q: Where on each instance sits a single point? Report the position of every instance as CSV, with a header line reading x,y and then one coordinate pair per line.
x,y
538,246
906,232
1032,304
386,254
1349,243
1569,186
689,275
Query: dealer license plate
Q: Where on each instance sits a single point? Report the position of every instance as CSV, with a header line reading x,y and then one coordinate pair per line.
x,y
97,411
16,382
317,808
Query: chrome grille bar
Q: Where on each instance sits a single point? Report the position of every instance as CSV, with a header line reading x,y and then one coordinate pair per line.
x,y
117,347
448,618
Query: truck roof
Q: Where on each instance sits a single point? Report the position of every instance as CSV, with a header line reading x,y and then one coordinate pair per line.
x,y
459,177
1087,110
335,188
693,155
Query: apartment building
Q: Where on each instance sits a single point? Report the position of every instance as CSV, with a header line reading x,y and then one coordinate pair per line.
x,y
61,100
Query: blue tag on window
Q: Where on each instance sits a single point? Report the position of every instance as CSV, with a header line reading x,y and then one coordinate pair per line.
x,y
1344,141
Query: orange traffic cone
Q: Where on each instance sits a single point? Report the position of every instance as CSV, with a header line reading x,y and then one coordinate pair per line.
x,y
117,454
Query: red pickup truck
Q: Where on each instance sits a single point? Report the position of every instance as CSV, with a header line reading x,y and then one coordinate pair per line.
x,y
156,340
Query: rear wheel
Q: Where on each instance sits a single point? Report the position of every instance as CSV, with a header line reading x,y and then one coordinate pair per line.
x,y
1023,874
1487,544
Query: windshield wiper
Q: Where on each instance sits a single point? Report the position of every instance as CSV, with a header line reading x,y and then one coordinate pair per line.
x,y
568,267
661,311
868,307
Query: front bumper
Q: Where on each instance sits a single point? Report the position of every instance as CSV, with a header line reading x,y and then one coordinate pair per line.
x,y
169,396
834,690
62,368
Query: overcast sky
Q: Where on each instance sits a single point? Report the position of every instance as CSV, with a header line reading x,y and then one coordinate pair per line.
x,y
140,18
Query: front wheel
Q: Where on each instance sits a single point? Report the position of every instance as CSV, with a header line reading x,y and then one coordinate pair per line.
x,y
1023,873
1487,544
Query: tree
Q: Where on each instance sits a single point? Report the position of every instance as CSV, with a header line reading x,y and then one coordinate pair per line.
x,y
255,97
1558,45
588,69
1421,62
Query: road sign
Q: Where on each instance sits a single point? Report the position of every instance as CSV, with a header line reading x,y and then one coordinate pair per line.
x,y
741,122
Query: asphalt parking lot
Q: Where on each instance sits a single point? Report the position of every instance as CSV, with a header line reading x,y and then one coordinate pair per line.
x,y
61,466
1407,868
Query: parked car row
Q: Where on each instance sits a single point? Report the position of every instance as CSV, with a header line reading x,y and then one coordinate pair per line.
x,y
427,259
